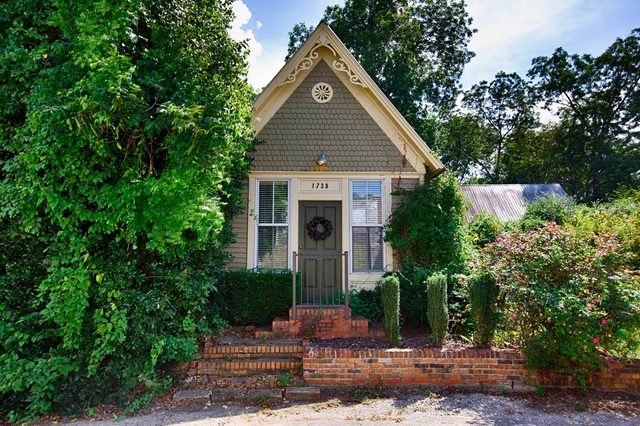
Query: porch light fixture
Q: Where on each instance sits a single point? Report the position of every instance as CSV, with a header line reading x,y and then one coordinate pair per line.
x,y
322,160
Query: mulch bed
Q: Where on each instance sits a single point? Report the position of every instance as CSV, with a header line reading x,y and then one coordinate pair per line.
x,y
412,338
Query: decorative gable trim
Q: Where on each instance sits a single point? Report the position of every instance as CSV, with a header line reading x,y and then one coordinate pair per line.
x,y
324,44
338,64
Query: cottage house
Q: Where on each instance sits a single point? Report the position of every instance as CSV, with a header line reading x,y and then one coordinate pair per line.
x,y
331,149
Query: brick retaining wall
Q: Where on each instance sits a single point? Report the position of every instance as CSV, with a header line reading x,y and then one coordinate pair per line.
x,y
470,367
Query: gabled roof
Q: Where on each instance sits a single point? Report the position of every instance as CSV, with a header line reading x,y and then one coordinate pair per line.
x,y
323,44
507,202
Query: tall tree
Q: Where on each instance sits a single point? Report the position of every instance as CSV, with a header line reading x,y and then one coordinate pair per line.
x,y
505,107
598,99
123,126
462,145
415,53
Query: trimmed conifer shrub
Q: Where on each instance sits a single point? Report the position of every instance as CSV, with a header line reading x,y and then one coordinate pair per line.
x,y
437,309
483,294
390,288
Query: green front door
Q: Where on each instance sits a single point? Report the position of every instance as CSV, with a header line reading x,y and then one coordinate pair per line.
x,y
320,249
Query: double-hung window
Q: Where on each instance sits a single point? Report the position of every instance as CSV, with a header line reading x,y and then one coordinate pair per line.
x,y
366,226
273,225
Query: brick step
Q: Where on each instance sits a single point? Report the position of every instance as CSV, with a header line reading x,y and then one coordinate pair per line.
x,y
259,381
233,341
246,367
230,356
254,349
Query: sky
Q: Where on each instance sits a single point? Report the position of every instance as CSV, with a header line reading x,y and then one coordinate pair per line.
x,y
510,33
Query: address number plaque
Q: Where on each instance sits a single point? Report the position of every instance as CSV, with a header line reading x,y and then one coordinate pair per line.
x,y
320,185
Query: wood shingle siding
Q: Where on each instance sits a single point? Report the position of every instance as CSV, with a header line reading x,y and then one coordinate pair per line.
x,y
238,249
342,129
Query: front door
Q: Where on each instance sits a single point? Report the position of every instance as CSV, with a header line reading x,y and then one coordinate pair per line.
x,y
320,246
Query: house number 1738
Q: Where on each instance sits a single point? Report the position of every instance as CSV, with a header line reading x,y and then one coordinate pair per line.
x,y
319,185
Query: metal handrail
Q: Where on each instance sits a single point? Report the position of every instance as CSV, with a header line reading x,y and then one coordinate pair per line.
x,y
344,287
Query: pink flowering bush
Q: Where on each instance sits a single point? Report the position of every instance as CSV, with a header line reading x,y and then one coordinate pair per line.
x,y
566,300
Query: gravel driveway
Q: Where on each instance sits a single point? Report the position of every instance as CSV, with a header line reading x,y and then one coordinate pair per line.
x,y
412,408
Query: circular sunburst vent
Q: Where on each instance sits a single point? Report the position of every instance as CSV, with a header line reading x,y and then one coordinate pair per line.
x,y
322,92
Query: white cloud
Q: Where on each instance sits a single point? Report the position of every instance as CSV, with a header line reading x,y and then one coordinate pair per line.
x,y
511,32
264,63
239,33
267,66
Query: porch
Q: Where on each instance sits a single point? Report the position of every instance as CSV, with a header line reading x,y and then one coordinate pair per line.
x,y
320,301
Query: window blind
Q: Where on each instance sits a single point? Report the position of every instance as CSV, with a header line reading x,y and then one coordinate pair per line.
x,y
366,226
273,225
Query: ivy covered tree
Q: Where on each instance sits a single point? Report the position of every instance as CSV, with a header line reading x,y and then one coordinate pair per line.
x,y
123,132
415,52
427,228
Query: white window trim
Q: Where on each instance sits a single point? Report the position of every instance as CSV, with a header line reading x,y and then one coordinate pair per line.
x,y
384,245
257,220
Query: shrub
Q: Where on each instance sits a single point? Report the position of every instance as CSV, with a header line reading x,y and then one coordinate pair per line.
x,y
246,297
390,290
548,208
428,226
413,300
413,296
437,310
366,303
620,218
567,298
483,295
484,229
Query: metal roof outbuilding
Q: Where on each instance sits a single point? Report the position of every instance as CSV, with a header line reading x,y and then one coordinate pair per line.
x,y
508,201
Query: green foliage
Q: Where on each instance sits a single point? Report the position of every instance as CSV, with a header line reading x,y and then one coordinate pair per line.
x,y
297,36
284,380
483,296
428,232
567,298
428,227
366,303
484,228
413,296
438,309
461,144
390,292
123,132
620,218
504,107
590,148
549,208
416,57
595,145
253,297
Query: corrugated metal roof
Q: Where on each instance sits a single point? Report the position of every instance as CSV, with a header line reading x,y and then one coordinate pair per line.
x,y
506,202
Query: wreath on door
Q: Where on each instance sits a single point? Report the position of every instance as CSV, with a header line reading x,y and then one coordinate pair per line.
x,y
319,228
